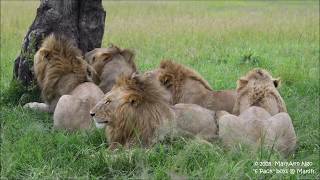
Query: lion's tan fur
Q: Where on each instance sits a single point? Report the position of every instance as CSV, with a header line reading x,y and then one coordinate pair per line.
x,y
187,86
110,63
259,88
59,68
181,73
73,111
258,128
261,115
145,112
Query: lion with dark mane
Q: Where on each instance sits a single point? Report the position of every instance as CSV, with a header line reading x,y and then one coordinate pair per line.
x,y
137,111
188,86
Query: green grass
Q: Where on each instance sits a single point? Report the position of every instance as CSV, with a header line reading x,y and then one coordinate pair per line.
x,y
221,40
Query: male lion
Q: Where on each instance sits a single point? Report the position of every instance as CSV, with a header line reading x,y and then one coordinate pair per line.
x,y
187,86
59,69
136,111
263,119
109,63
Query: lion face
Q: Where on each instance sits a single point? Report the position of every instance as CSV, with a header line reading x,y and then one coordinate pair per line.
x,y
133,109
110,63
99,57
258,88
105,112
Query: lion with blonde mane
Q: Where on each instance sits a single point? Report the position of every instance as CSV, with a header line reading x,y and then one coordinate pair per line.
x,y
66,83
263,119
110,63
137,112
188,86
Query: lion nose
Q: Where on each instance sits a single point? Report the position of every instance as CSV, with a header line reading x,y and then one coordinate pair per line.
x,y
92,114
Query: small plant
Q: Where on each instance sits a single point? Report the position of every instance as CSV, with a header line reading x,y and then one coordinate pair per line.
x,y
250,58
16,93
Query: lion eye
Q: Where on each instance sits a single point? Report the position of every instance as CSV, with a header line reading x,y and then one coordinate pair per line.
x,y
108,101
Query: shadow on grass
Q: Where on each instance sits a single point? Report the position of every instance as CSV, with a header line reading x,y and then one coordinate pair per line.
x,y
17,94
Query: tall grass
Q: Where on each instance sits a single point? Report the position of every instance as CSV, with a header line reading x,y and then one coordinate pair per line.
x,y
221,40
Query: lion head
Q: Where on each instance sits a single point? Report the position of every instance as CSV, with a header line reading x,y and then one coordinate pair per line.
x,y
132,110
188,86
259,88
180,80
59,68
109,63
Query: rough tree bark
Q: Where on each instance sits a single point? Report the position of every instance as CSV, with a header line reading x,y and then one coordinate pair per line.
x,y
81,20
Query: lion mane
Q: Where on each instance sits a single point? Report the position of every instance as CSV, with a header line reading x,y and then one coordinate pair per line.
x,y
59,67
188,86
176,74
259,86
140,121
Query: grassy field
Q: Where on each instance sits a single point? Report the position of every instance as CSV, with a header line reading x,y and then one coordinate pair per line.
x,y
221,40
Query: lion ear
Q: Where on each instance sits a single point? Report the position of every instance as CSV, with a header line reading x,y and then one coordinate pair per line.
x,y
242,82
128,55
134,100
104,56
166,80
165,64
276,82
138,79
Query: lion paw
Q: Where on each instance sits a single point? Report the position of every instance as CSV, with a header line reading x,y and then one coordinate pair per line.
x,y
37,106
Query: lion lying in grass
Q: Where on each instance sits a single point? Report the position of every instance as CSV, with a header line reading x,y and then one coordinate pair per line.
x,y
109,63
137,112
187,86
59,69
263,119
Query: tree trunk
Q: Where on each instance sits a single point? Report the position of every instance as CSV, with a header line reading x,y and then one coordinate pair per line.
x,y
80,20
